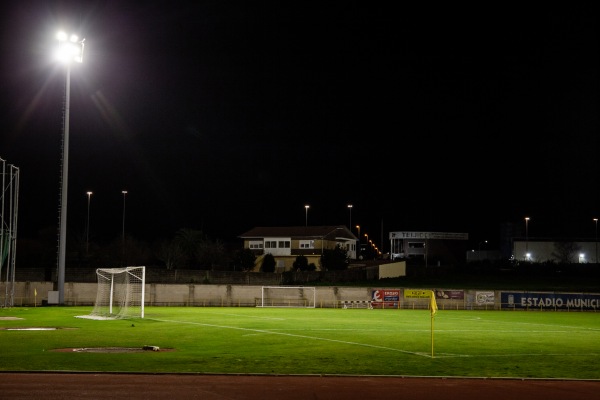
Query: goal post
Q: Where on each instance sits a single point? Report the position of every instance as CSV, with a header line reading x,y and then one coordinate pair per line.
x,y
288,296
120,293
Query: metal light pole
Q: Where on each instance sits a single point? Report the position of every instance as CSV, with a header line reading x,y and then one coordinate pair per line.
x,y
87,226
124,194
350,210
596,222
70,50
358,250
306,207
123,231
479,250
526,237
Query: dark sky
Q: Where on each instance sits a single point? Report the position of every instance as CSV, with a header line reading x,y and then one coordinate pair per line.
x,y
222,116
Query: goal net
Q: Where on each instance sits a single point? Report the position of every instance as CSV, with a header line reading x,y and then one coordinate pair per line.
x,y
288,296
120,293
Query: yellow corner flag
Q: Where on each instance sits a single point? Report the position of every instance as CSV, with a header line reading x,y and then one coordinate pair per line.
x,y
434,308
433,304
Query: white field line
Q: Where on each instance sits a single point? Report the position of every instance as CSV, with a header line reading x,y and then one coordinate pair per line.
x,y
421,354
251,316
512,323
268,332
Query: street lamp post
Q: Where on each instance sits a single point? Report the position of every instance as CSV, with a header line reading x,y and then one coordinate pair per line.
x,y
87,225
526,237
350,210
70,50
596,222
358,249
306,207
479,249
123,231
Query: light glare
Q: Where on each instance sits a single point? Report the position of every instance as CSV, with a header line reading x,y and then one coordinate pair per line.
x,y
71,50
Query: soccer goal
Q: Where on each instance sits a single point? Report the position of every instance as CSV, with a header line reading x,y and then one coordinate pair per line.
x,y
288,296
120,293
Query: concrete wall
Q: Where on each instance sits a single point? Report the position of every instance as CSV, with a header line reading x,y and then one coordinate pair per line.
x,y
200,295
84,294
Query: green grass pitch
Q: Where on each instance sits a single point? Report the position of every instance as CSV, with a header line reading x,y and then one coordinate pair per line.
x,y
247,340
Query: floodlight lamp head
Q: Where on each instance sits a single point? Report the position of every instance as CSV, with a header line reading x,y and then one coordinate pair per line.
x,y
70,48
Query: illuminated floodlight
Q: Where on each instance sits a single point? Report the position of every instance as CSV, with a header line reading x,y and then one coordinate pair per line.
x,y
69,48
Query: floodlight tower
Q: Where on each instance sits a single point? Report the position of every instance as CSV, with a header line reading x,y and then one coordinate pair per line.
x,y
70,50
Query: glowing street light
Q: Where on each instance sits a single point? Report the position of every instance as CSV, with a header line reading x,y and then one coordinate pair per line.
x,y
306,207
124,194
358,250
70,50
527,237
87,227
596,222
350,210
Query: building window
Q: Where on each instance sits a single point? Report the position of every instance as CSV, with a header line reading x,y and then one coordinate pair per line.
x,y
307,244
270,244
284,244
255,244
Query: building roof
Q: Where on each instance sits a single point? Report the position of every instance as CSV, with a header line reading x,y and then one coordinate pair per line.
x,y
300,232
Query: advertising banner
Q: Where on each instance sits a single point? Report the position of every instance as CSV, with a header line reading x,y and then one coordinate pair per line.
x,y
552,301
385,298
417,294
449,294
484,298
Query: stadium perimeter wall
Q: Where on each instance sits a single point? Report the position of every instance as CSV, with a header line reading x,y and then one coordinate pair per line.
x,y
206,295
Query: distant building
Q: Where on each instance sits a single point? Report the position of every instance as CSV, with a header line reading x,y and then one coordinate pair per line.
x,y
287,243
434,248
578,251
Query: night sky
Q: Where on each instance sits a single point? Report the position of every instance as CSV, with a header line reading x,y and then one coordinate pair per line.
x,y
225,115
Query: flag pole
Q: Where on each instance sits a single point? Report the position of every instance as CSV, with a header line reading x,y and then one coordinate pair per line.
x,y
431,335
434,308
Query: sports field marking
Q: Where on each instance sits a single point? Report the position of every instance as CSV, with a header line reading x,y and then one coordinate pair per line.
x,y
524,323
269,332
250,316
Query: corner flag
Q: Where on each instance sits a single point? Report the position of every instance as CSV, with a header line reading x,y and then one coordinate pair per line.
x,y
433,304
434,308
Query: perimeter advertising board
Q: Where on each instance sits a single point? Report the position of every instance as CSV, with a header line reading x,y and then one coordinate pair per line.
x,y
385,298
550,301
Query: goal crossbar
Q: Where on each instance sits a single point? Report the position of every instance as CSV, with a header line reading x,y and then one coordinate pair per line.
x,y
288,296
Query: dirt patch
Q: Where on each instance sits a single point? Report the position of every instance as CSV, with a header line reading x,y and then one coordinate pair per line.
x,y
32,328
143,349
9,318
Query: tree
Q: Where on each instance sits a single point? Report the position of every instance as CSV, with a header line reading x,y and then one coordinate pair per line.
x,y
170,253
190,242
565,252
212,255
268,263
334,260
243,260
301,263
